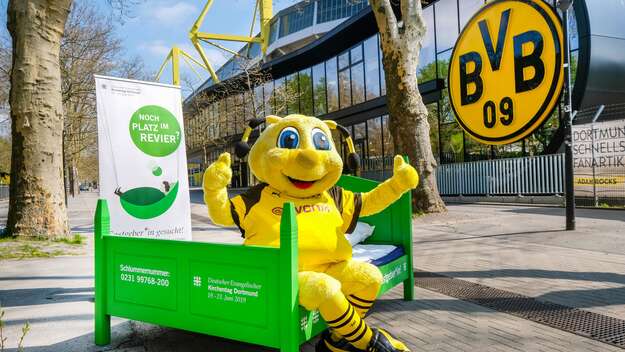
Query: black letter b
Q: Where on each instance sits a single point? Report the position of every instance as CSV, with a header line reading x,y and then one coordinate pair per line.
x,y
473,77
531,60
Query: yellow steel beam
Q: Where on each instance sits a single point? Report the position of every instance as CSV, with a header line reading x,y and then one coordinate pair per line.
x,y
160,70
265,8
266,12
222,47
199,49
247,51
175,65
200,19
228,37
186,59
194,60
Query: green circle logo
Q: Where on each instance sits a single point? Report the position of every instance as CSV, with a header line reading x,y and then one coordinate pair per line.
x,y
155,130
157,171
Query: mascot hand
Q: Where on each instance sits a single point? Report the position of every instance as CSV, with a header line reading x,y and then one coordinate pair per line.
x,y
218,174
404,175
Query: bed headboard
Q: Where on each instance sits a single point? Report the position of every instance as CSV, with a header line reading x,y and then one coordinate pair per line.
x,y
394,224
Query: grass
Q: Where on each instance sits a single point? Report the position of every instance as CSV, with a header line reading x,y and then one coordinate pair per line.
x,y
3,340
39,247
75,240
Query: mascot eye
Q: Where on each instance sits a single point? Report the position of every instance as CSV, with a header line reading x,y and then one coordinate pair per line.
x,y
320,140
288,138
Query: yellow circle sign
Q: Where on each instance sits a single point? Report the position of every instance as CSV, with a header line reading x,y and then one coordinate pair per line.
x,y
505,74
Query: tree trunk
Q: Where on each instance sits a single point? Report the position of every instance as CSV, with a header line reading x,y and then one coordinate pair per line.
x,y
36,206
408,115
409,126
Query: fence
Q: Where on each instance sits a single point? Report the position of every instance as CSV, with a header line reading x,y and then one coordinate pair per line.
x,y
537,175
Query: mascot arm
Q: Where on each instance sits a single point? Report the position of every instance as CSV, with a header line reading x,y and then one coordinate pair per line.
x,y
405,178
216,179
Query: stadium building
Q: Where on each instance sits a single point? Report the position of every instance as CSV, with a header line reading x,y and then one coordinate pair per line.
x,y
324,59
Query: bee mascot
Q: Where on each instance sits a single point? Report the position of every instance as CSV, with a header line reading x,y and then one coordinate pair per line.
x,y
296,161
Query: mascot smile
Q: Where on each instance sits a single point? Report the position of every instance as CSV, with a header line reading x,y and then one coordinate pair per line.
x,y
296,161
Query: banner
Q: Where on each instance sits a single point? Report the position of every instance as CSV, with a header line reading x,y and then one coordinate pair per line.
x,y
142,158
599,159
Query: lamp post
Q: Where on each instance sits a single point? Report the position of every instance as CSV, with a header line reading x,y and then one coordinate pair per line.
x,y
564,6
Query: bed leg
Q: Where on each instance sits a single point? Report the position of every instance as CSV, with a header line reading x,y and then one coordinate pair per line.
x,y
102,329
102,320
409,288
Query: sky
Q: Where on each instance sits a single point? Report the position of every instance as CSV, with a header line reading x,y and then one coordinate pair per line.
x,y
156,25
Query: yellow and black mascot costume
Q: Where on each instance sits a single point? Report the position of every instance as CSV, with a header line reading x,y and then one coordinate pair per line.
x,y
296,160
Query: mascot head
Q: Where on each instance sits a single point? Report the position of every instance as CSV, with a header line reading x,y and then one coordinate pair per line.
x,y
296,155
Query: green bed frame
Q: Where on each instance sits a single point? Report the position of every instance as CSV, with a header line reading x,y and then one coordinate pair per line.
x,y
243,293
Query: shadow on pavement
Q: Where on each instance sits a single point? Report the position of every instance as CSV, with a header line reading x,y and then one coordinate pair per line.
x,y
489,236
539,274
600,214
132,336
8,278
36,296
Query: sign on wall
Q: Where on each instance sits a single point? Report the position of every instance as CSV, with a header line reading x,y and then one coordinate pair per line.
x,y
505,74
600,149
142,158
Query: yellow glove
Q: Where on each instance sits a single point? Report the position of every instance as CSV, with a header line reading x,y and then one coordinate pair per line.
x,y
405,177
219,174
216,178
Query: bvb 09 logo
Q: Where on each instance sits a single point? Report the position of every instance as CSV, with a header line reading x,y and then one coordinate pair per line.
x,y
505,75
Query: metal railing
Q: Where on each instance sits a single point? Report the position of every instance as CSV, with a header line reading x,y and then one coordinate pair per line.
x,y
536,175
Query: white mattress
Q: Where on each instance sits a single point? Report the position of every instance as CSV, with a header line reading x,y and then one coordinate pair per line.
x,y
371,252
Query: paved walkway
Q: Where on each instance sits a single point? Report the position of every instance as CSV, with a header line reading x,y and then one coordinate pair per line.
x,y
516,248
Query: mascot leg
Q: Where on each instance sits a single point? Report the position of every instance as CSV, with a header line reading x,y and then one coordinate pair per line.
x,y
318,291
360,284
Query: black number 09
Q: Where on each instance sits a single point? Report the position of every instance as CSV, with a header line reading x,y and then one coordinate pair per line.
x,y
506,107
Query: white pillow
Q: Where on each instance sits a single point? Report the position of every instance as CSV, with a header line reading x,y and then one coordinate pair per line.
x,y
360,234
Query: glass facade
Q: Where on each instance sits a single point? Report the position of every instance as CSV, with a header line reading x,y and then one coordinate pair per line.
x,y
356,76
296,20
330,10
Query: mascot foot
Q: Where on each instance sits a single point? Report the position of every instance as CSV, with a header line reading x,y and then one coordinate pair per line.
x,y
382,341
328,344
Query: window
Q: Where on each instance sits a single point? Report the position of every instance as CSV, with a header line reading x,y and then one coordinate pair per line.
x,y
279,105
360,139
474,150
268,97
443,66
345,93
427,58
306,93
446,24
452,143
333,88
372,68
434,133
330,10
239,113
467,9
357,75
382,75
223,118
374,143
300,18
273,31
319,89
292,94
258,106
389,150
